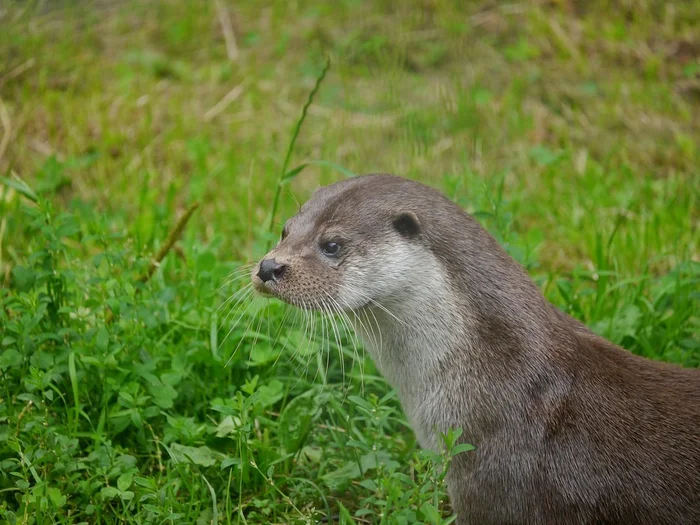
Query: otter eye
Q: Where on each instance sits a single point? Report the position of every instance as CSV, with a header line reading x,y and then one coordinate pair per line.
x,y
330,249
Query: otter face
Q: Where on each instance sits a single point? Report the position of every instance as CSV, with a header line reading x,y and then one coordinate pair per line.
x,y
347,248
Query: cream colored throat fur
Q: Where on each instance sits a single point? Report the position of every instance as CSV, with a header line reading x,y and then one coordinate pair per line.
x,y
410,333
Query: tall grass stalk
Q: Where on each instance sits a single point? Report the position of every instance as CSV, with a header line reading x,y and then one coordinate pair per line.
x,y
286,176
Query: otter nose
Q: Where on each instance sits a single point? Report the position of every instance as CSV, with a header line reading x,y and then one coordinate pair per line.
x,y
271,270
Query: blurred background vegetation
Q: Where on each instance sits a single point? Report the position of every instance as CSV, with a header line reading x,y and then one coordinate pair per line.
x,y
570,129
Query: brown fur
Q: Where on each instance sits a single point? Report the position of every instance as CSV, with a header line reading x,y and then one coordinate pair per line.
x,y
569,428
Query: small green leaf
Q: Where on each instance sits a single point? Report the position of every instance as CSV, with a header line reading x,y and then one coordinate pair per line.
x,y
203,456
228,462
269,394
206,261
124,481
55,496
136,418
10,358
289,176
373,460
339,479
102,341
109,492
22,484
68,227
148,483
262,354
153,508
464,447
163,395
313,454
23,278
430,513
361,402
227,426
369,484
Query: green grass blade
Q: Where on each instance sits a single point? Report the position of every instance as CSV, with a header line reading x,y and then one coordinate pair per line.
x,y
74,385
289,176
284,176
20,187
215,512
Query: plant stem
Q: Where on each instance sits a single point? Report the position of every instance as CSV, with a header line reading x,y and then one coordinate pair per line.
x,y
290,148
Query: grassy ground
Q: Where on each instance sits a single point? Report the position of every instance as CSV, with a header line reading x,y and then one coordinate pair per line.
x,y
571,129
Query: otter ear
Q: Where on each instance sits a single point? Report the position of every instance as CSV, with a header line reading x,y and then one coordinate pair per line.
x,y
407,224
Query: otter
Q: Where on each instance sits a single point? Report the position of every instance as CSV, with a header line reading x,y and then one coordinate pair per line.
x,y
568,427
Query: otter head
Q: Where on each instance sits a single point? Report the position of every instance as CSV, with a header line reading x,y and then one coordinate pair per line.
x,y
354,243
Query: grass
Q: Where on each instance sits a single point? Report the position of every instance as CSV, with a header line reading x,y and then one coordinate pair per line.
x,y
569,129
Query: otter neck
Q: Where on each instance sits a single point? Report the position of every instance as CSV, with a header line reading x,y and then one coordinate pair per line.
x,y
410,336
448,359
409,340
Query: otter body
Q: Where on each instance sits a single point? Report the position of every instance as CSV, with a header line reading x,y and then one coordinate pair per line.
x,y
568,427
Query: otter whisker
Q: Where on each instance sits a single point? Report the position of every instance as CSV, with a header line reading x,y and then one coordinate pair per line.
x,y
240,342
379,331
312,336
243,271
281,327
257,331
246,332
235,275
234,297
336,335
356,356
345,320
310,341
308,325
305,326
336,332
366,327
325,350
247,308
324,339
385,309
318,356
370,335
245,297
295,314
381,307
300,317
232,283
